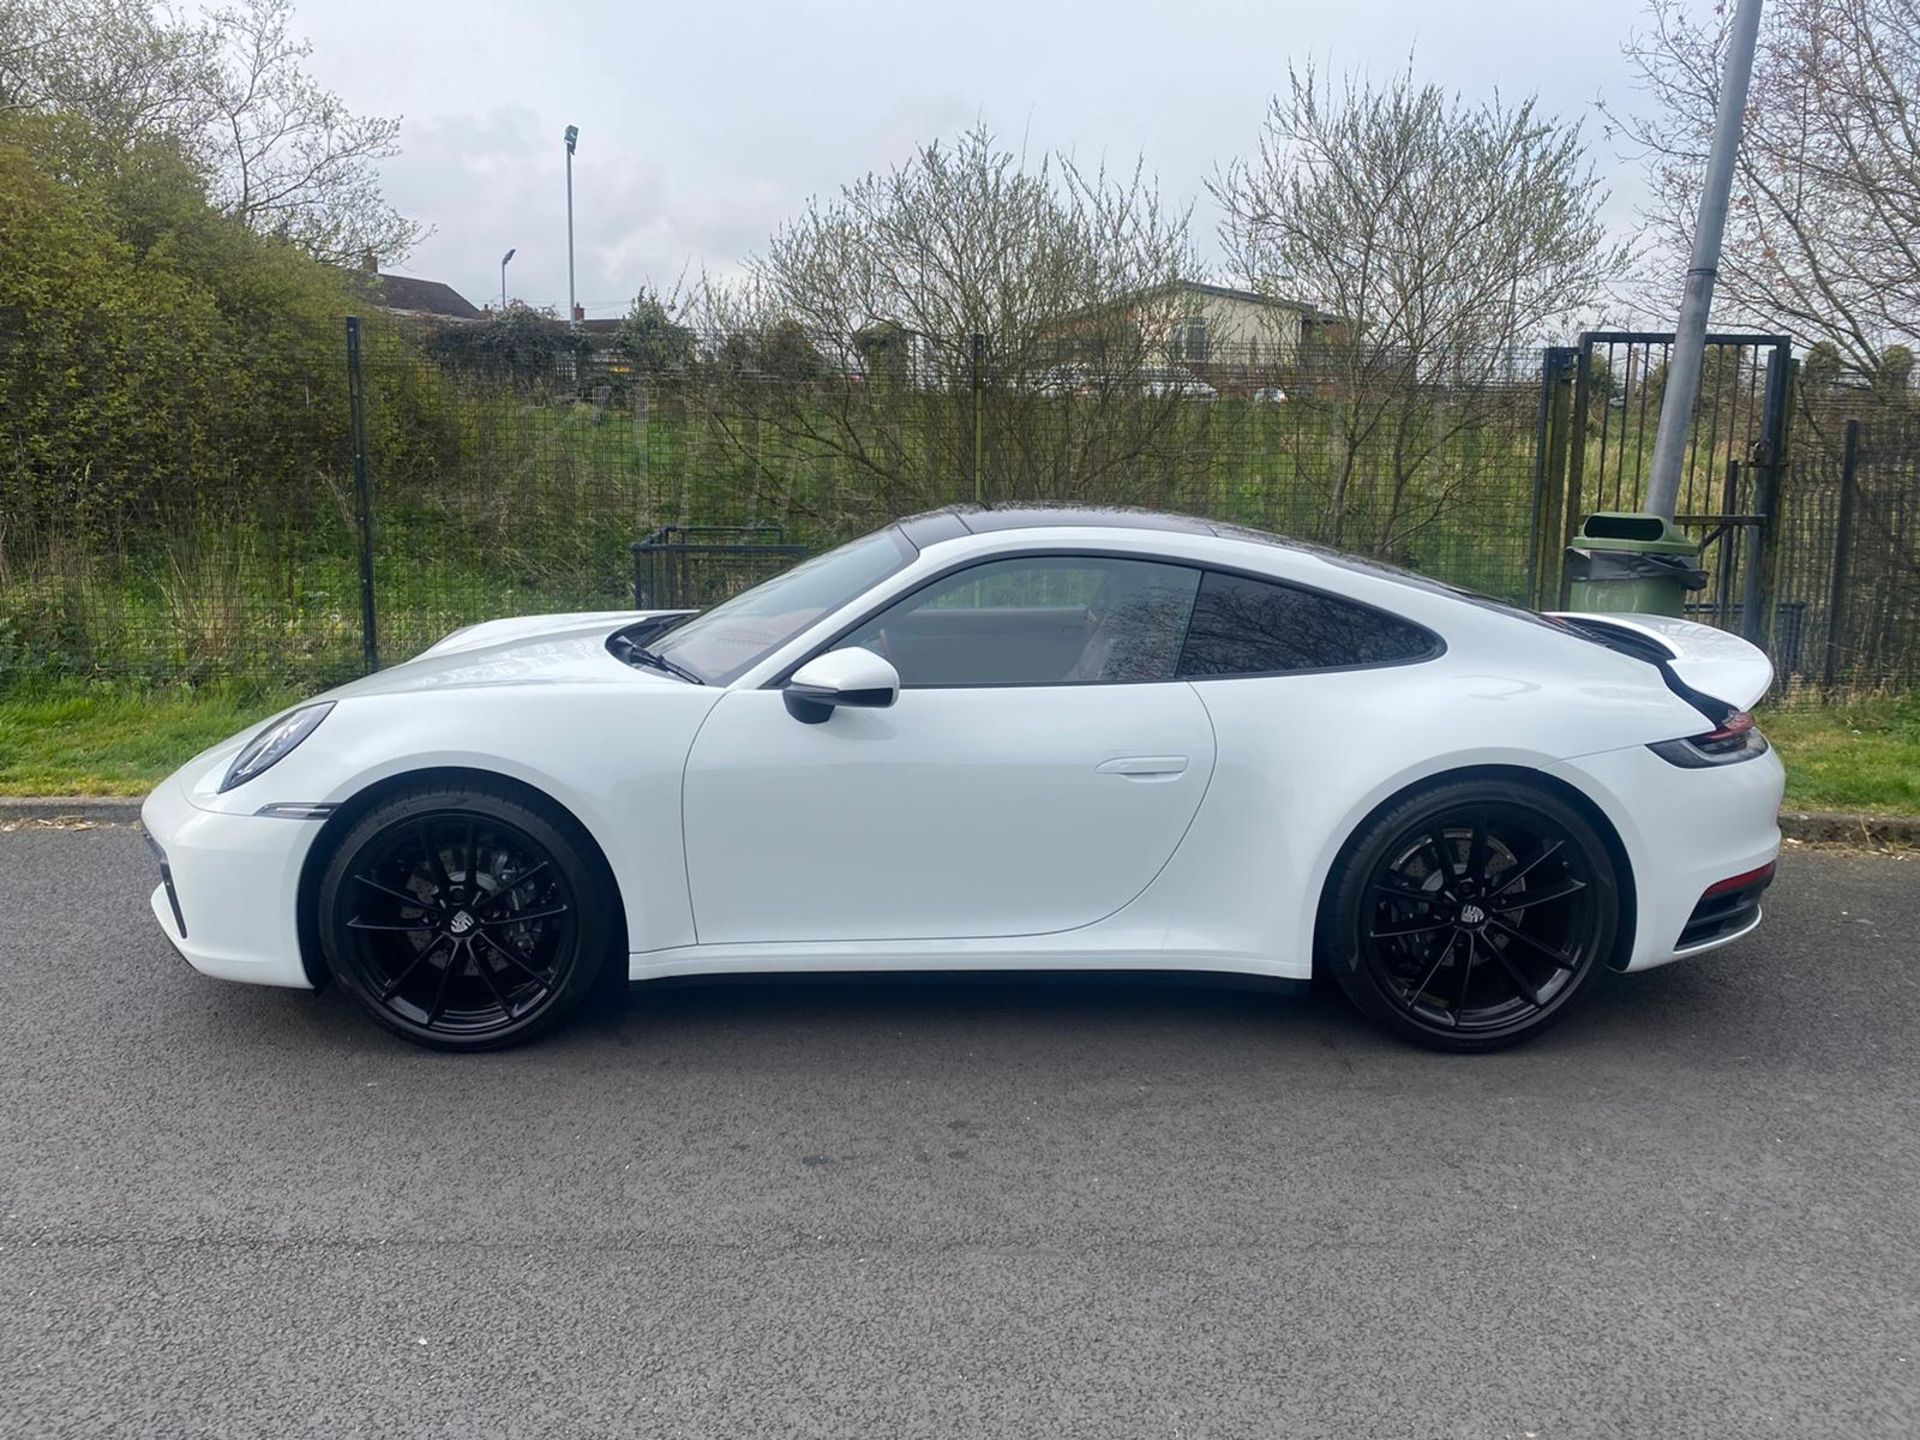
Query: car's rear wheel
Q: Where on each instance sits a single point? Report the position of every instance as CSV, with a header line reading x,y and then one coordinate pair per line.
x,y
1471,915
464,917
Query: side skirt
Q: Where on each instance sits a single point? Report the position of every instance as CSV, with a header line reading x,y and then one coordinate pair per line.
x,y
948,958
1063,979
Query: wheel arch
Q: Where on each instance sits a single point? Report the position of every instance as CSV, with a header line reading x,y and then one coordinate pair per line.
x,y
1571,794
349,811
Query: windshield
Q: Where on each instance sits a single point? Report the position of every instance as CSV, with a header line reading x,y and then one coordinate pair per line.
x,y
722,644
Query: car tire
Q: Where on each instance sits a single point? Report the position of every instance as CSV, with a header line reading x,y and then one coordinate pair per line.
x,y
466,916
1472,914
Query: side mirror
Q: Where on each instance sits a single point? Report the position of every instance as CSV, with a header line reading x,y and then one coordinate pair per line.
x,y
841,677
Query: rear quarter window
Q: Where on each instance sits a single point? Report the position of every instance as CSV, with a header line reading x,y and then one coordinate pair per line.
x,y
1244,626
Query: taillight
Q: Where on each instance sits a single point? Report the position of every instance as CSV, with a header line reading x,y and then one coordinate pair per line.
x,y
1736,738
1738,724
1731,738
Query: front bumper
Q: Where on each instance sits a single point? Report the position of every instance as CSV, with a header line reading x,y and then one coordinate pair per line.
x,y
230,909
1684,832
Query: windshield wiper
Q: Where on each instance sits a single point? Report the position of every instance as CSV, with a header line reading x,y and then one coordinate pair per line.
x,y
640,655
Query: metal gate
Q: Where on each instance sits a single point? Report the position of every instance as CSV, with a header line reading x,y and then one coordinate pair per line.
x,y
1599,411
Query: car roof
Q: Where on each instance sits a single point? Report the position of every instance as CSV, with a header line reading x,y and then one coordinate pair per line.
x,y
953,521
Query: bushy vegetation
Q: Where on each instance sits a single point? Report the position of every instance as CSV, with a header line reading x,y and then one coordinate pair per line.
x,y
173,403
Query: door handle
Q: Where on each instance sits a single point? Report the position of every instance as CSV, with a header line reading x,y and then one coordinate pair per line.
x,y
1146,767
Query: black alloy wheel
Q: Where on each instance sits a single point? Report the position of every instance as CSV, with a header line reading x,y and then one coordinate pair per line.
x,y
1469,916
464,918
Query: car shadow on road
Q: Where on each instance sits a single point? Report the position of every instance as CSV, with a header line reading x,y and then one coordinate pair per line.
x,y
1108,1012
904,1016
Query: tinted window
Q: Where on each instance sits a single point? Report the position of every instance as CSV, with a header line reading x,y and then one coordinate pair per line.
x,y
1253,627
1038,620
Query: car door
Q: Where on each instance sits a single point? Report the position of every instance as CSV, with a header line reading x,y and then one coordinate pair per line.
x,y
1039,768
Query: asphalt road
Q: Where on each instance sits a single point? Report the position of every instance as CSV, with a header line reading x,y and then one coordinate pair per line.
x,y
1006,1209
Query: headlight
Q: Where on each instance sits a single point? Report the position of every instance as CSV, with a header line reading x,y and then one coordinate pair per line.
x,y
274,744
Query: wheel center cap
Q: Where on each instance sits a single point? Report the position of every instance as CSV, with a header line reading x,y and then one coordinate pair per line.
x,y
1471,914
461,923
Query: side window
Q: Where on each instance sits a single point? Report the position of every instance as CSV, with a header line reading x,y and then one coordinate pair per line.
x,y
1255,627
1038,620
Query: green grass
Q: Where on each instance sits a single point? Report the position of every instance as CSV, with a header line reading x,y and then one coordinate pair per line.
x,y
1859,756
1863,755
103,743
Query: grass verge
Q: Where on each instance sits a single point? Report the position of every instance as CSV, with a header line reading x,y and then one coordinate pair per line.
x,y
1859,756
113,743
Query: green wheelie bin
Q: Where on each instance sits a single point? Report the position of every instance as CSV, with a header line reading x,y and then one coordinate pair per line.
x,y
1628,561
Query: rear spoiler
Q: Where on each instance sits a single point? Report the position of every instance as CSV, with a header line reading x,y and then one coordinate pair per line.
x,y
1715,672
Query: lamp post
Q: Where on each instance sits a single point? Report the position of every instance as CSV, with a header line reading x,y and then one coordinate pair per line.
x,y
503,279
573,135
1689,339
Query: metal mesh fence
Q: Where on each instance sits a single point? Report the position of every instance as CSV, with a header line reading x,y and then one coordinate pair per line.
x,y
174,508
1850,543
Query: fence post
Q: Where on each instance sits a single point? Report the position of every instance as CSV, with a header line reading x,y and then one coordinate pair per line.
x,y
978,388
1733,540
1549,469
1842,557
362,495
1760,592
1576,454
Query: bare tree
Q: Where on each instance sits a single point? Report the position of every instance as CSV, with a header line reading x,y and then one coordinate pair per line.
x,y
1823,236
290,158
129,69
1060,268
280,152
968,238
1442,235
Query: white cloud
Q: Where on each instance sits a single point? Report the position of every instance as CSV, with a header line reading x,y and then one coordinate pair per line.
x,y
704,126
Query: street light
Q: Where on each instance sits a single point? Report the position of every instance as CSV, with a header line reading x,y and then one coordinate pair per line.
x,y
1682,386
573,136
503,280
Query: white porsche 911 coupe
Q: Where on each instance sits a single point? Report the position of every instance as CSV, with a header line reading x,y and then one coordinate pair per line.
x,y
997,739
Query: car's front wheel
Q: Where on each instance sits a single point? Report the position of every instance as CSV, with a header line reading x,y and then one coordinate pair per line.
x,y
464,917
1472,914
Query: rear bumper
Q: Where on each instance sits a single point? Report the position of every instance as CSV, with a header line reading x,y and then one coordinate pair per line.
x,y
230,906
1684,831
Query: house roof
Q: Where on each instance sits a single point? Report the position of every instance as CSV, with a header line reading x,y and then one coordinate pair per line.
x,y
1251,297
414,296
1201,287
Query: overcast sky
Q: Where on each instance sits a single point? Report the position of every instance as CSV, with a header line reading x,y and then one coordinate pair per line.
x,y
703,125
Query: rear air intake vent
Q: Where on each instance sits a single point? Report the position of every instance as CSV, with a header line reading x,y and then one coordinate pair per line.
x,y
1627,642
